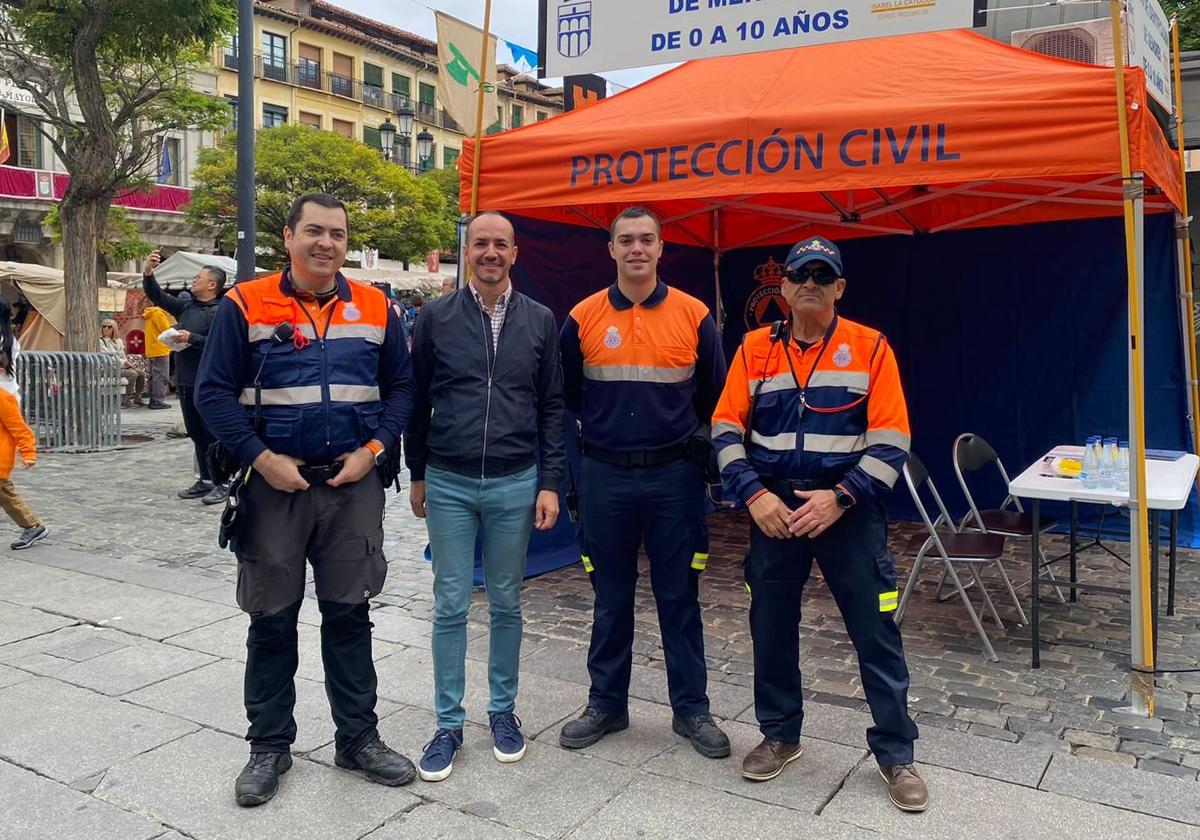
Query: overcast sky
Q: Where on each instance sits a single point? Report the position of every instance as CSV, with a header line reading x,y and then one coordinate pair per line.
x,y
512,20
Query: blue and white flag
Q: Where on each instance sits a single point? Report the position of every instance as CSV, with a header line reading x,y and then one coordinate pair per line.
x,y
164,165
520,57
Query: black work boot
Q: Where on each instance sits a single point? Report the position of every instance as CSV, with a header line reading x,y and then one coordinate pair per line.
x,y
589,728
705,735
259,779
379,762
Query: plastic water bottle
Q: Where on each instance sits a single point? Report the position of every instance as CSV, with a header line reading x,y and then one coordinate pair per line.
x,y
1121,480
1108,463
1089,474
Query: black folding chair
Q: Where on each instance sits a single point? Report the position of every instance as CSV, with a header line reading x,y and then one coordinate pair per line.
x,y
952,546
971,453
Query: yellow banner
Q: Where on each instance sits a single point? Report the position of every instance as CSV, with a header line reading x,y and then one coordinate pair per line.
x,y
4,150
459,75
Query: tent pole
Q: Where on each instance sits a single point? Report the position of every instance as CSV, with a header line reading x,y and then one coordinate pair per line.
x,y
719,311
1185,255
483,84
1140,618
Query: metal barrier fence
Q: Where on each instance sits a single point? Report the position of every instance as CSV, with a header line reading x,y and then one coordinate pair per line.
x,y
72,401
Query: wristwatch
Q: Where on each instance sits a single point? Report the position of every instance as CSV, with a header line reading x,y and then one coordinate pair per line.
x,y
845,500
378,450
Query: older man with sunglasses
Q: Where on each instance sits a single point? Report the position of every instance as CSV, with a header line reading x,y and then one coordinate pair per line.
x,y
811,432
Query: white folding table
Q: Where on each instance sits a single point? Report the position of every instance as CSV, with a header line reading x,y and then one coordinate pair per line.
x,y
1168,485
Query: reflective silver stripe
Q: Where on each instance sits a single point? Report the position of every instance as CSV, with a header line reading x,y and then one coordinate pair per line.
x,y
877,469
311,395
304,395
354,393
730,454
785,442
263,332
637,373
857,382
725,428
371,334
782,382
834,443
888,437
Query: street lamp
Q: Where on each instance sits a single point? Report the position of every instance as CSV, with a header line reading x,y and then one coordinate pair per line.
x,y
424,147
387,138
406,116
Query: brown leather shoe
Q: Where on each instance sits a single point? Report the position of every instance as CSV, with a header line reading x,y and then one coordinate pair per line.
x,y
905,788
767,760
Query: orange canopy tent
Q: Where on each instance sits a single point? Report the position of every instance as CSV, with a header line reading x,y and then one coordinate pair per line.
x,y
917,133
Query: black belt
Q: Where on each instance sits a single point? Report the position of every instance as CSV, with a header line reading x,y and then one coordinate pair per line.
x,y
784,487
642,458
319,473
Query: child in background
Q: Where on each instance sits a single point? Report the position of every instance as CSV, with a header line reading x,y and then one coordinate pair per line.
x,y
16,437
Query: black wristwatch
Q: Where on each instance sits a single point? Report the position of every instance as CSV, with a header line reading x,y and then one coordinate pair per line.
x,y
845,500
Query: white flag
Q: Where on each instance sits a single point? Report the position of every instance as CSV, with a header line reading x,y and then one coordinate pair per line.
x,y
459,76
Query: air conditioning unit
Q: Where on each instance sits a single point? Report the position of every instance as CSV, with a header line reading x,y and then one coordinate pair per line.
x,y
1089,41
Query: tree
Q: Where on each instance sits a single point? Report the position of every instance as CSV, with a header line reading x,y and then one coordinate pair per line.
x,y
121,242
448,181
390,209
111,79
1188,12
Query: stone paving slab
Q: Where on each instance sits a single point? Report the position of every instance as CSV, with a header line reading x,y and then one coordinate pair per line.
x,y
60,813
227,640
90,731
74,643
542,702
655,808
131,668
549,791
1104,782
313,801
136,609
437,822
151,577
212,696
11,676
963,805
17,623
31,584
806,785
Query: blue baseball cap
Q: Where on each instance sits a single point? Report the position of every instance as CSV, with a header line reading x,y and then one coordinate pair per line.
x,y
818,249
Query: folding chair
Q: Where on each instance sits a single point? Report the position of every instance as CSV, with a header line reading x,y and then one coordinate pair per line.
x,y
972,549
970,454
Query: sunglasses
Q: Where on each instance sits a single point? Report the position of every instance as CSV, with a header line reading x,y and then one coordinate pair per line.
x,y
820,276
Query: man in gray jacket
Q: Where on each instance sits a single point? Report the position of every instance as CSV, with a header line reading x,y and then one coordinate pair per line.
x,y
485,448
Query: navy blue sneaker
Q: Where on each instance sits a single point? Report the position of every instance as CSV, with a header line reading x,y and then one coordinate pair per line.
x,y
509,743
438,760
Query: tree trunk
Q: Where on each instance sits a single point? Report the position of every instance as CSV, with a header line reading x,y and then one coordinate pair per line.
x,y
83,223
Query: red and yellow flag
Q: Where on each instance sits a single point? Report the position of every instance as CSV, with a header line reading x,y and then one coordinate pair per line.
x,y
4,150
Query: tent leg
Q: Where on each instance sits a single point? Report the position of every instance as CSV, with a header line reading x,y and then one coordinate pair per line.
x,y
1187,328
719,310
1141,652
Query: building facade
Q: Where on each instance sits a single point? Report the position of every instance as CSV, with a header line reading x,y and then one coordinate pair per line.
x,y
317,64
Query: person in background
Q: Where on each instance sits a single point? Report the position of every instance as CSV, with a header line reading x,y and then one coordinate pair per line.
x,y
448,285
417,303
135,379
16,436
158,355
195,315
11,348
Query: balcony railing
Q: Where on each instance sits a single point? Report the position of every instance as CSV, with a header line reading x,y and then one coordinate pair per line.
x,y
231,61
310,75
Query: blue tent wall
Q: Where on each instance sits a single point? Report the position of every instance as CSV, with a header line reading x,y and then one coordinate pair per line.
x,y
1014,333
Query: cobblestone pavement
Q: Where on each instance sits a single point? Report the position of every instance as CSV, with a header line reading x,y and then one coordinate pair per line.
x,y
123,505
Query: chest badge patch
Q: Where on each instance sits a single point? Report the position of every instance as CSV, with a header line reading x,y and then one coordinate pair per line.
x,y
612,338
842,357
350,312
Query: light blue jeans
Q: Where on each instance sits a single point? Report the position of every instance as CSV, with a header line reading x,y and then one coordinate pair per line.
x,y
502,510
